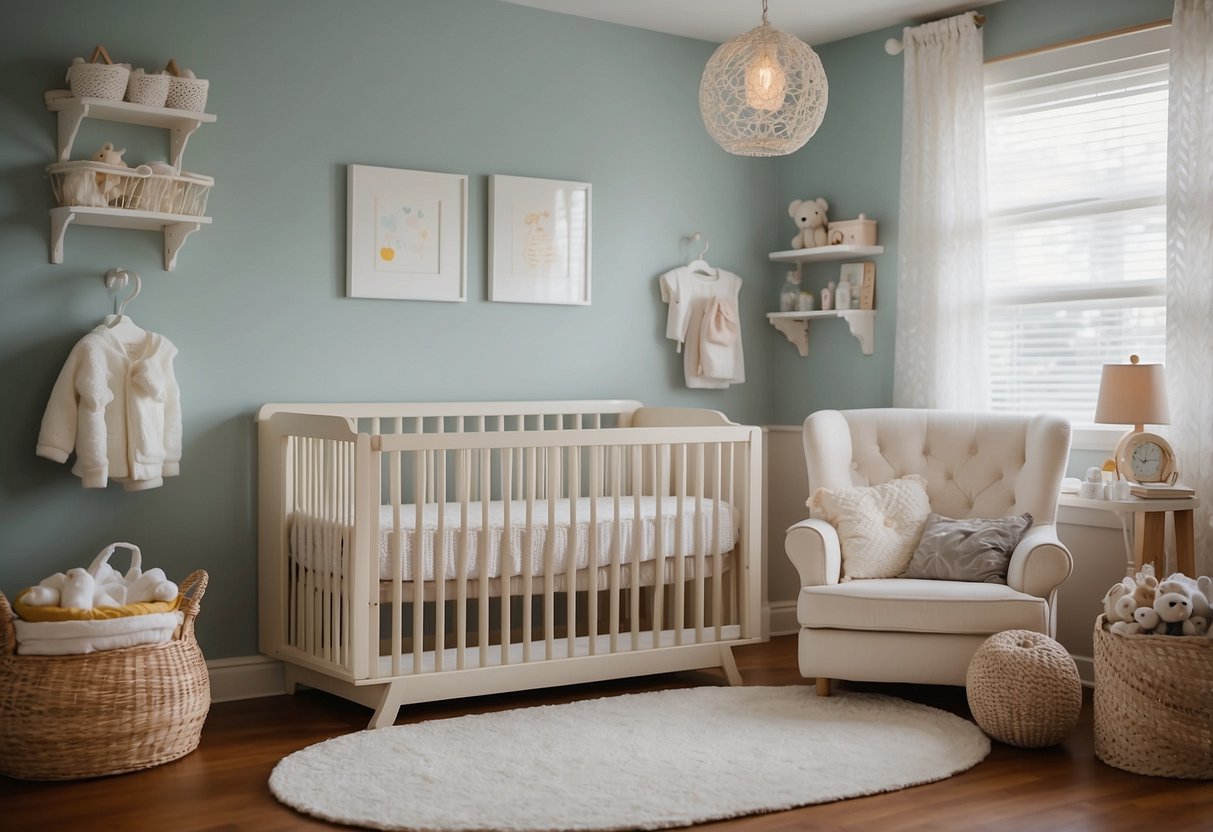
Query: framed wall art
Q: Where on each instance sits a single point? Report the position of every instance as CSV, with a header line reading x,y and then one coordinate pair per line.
x,y
539,241
407,234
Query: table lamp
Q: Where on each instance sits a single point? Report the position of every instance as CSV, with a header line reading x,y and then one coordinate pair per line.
x,y
1136,394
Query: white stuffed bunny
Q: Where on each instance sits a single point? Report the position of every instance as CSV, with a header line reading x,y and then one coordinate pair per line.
x,y
78,589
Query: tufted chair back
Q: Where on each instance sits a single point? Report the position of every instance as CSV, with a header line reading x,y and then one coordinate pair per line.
x,y
974,464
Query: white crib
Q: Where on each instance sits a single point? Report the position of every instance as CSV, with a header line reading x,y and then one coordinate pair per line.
x,y
412,552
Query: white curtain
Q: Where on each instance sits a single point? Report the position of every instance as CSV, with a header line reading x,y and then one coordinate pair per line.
x,y
939,356
1190,258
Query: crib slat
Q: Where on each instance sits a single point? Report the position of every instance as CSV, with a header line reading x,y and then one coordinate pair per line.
x,y
309,597
440,562
570,574
549,560
616,544
717,592
462,473
700,542
330,528
396,547
528,563
420,477
637,543
506,569
658,455
482,618
591,597
681,553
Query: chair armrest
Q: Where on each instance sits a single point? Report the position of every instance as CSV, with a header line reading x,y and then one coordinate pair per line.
x,y
812,546
1040,562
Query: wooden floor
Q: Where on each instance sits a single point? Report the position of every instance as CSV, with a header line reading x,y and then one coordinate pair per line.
x,y
222,785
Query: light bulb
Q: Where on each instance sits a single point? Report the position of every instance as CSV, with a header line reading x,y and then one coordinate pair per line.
x,y
765,83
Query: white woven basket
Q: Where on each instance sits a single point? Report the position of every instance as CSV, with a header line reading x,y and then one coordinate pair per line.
x,y
98,80
148,90
185,93
94,184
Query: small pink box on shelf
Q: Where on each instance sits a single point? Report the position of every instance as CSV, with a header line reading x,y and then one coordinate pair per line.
x,y
856,232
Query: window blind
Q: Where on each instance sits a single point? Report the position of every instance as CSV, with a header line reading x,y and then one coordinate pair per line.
x,y
1076,233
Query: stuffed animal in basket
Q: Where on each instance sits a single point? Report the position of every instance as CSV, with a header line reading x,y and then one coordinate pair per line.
x,y
109,184
1119,606
1199,590
810,218
1174,608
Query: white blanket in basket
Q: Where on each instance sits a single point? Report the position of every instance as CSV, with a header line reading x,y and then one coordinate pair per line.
x,y
65,638
318,543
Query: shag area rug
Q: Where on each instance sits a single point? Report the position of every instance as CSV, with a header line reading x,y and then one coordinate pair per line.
x,y
639,761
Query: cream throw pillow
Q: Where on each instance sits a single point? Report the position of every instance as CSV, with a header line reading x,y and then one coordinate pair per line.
x,y
879,526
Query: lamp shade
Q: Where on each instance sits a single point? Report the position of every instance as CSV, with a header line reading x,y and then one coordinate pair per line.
x,y
1133,394
763,93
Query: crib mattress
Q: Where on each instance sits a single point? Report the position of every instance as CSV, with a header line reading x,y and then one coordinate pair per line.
x,y
320,544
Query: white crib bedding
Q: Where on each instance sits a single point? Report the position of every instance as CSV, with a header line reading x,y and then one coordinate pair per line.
x,y
318,543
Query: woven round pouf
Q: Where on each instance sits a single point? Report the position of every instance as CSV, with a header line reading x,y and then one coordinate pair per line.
x,y
1023,689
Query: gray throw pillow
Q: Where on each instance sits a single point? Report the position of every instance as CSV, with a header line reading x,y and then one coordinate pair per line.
x,y
975,549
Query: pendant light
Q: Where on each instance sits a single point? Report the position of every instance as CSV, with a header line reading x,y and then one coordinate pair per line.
x,y
763,93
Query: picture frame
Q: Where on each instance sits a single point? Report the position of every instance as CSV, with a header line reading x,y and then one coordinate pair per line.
x,y
406,234
862,277
539,240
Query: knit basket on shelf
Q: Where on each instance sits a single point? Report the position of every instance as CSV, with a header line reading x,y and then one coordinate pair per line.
x,y
98,79
85,183
148,90
185,93
1153,707
109,712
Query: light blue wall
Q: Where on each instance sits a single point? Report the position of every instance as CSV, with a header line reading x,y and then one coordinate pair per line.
x,y
854,161
301,89
304,87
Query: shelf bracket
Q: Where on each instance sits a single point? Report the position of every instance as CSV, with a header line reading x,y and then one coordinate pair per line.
x,y
175,235
862,327
178,137
69,126
796,331
61,218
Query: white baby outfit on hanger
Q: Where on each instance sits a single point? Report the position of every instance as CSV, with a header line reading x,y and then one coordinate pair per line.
x,y
703,318
119,407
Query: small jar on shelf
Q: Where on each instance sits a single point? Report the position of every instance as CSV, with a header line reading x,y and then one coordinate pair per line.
x,y
789,296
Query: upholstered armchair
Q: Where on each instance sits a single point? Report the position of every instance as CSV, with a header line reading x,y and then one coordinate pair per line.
x,y
975,465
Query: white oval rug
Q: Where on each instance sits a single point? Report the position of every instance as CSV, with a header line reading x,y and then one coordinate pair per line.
x,y
639,761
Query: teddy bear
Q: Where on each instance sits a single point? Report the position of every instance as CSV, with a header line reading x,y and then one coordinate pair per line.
x,y
1174,608
1146,589
109,185
1199,591
1119,603
810,218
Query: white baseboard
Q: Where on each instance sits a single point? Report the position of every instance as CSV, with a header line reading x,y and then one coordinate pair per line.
x,y
245,677
783,618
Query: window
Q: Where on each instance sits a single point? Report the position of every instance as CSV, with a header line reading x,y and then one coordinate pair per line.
x,y
1076,143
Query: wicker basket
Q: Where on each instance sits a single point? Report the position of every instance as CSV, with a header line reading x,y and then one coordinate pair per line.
x,y
185,93
69,717
1154,703
1023,689
148,90
98,79
137,189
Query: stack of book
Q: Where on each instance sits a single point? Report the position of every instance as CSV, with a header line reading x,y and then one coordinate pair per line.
x,y
1161,490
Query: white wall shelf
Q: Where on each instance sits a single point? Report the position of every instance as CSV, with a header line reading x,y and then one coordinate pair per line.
x,y
176,227
72,109
181,124
795,325
822,254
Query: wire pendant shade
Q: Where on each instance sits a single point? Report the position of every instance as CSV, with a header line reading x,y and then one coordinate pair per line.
x,y
763,93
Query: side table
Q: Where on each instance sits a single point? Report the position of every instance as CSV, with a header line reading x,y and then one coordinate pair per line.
x,y
1149,523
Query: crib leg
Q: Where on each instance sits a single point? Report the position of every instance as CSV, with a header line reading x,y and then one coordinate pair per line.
x,y
728,665
290,680
389,706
